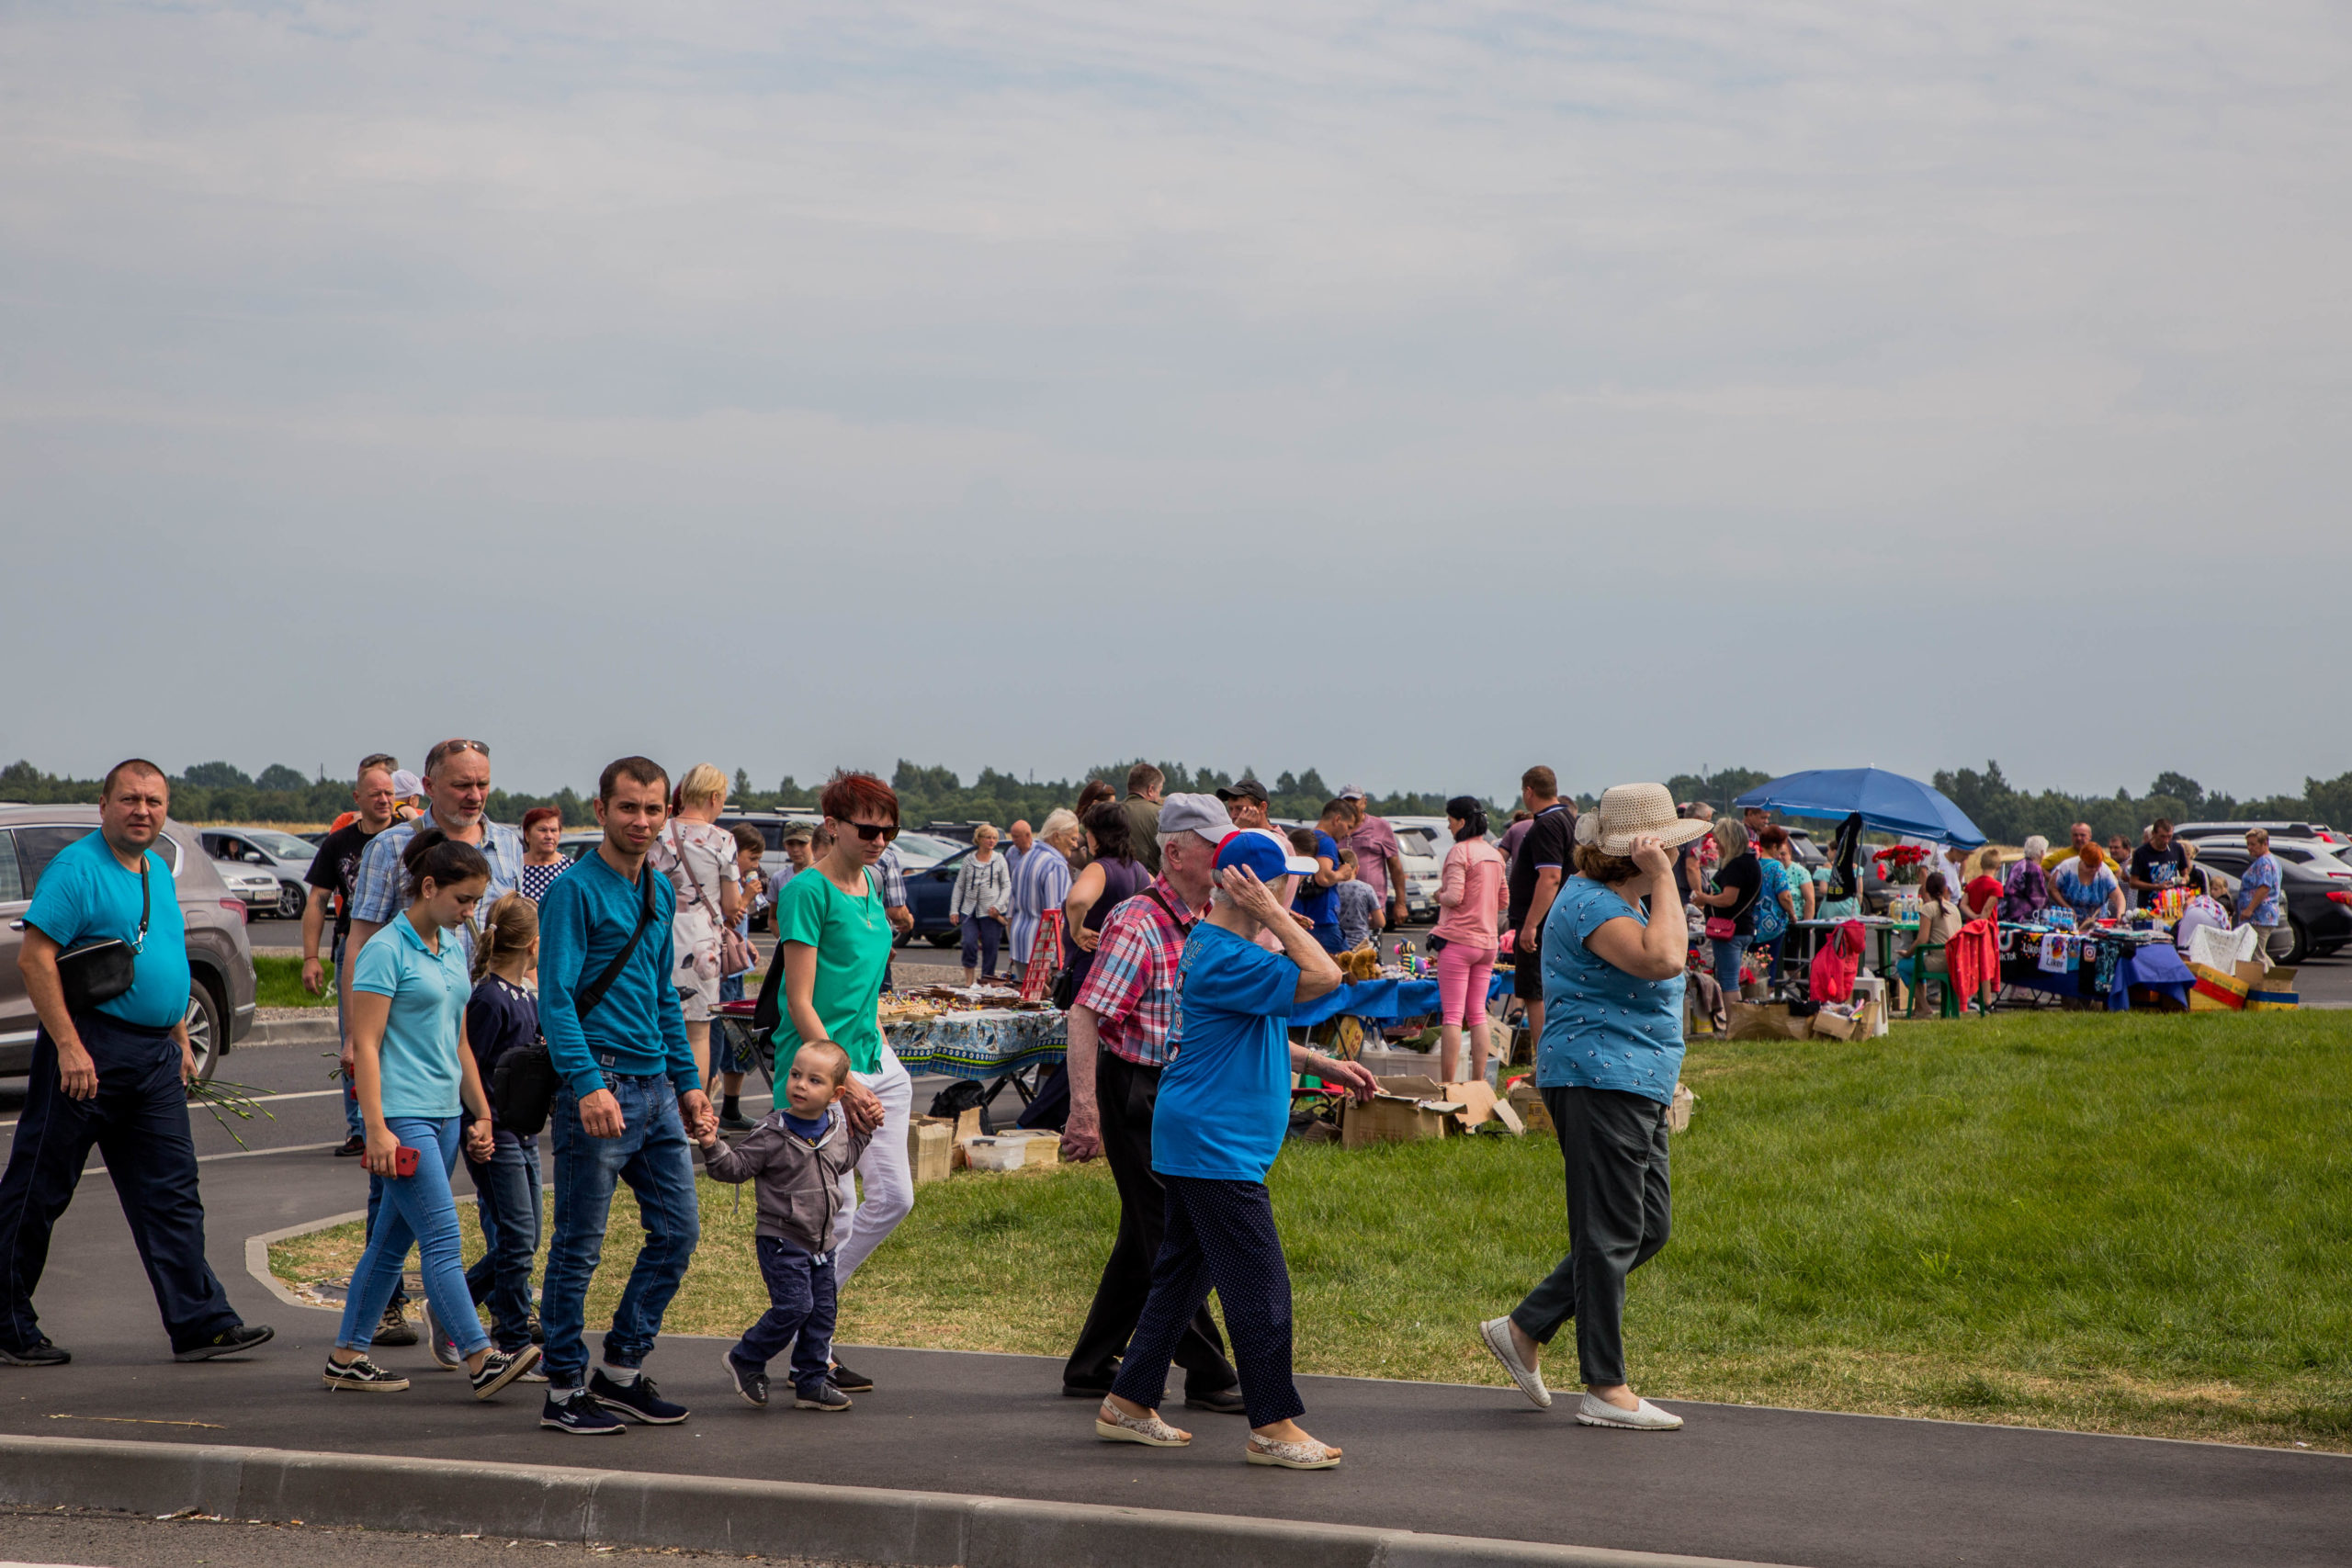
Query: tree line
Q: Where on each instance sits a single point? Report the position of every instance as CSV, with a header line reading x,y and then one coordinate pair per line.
x,y
220,792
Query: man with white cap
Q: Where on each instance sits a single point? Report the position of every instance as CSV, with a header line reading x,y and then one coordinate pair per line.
x,y
1118,1044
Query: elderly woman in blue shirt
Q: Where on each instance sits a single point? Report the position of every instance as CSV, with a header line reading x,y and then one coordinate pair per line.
x,y
1606,1063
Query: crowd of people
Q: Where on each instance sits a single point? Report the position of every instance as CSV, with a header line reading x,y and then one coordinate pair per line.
x,y
1185,931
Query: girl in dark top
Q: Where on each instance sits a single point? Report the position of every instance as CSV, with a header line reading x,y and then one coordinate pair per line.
x,y
1113,875
1737,880
502,1016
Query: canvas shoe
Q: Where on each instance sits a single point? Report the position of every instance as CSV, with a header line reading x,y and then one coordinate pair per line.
x,y
1495,1332
363,1375
499,1367
1646,1417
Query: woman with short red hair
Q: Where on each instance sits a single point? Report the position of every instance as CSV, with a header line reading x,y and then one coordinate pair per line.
x,y
833,938
542,862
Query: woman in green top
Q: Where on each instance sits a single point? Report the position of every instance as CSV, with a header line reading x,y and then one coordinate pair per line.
x,y
833,935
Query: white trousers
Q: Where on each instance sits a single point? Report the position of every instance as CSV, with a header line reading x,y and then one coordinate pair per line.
x,y
889,1182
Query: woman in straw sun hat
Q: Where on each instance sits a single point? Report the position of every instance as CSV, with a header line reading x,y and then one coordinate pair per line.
x,y
1607,1062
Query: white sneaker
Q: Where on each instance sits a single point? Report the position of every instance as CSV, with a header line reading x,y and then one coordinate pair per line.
x,y
1495,1332
1644,1417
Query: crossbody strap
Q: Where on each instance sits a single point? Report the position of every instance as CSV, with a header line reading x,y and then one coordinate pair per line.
x,y
1181,924
139,943
586,1001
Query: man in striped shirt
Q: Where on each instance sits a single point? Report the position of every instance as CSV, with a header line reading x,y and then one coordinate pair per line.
x,y
1118,1043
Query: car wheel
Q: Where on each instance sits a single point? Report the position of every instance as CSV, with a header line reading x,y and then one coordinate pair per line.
x,y
2303,947
290,899
208,1030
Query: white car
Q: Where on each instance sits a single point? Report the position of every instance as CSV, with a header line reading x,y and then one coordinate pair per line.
x,y
243,854
1424,841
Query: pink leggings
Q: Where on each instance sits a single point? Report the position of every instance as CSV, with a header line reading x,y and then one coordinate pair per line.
x,y
1463,972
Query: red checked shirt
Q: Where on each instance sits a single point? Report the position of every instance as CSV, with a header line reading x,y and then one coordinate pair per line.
x,y
1132,986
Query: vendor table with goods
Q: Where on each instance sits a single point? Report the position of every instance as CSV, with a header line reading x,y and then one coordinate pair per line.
x,y
978,1031
2100,965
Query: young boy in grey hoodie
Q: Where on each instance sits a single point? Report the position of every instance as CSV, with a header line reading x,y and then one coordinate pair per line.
x,y
796,1158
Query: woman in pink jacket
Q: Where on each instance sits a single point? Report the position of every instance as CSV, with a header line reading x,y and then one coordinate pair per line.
x,y
1470,902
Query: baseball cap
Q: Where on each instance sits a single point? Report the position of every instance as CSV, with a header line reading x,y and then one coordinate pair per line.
x,y
1243,789
1194,814
1265,853
1351,792
406,786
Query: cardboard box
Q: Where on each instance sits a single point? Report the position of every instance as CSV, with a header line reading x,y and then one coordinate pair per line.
x,y
2216,992
1836,1026
1527,1100
931,1148
1406,1110
1678,1115
1759,1020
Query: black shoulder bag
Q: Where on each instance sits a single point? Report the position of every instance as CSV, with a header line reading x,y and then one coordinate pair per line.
x,y
522,1088
100,971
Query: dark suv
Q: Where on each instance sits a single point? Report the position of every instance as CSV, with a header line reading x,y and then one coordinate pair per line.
x,y
221,1008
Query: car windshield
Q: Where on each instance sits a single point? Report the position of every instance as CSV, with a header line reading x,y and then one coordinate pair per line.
x,y
285,846
921,849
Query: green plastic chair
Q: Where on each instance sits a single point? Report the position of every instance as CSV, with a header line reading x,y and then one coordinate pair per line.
x,y
1915,971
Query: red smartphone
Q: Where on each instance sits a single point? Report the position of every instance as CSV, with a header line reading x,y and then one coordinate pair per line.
x,y
404,1161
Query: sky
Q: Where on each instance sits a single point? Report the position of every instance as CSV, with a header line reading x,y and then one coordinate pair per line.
x,y
1413,391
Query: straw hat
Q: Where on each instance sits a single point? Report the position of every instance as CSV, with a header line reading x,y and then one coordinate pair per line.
x,y
1627,811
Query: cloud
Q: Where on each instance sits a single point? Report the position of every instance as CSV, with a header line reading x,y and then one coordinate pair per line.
x,y
1893,363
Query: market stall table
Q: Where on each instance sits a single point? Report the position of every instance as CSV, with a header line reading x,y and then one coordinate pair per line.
x,y
2145,958
982,1043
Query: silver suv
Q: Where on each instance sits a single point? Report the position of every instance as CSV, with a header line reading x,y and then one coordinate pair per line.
x,y
221,1007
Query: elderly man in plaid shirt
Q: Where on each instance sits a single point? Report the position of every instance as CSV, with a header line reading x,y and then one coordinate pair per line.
x,y
1118,1043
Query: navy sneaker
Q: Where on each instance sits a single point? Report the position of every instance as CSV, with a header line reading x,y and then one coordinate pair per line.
x,y
228,1342
819,1396
640,1401
752,1384
856,1383
579,1414
40,1353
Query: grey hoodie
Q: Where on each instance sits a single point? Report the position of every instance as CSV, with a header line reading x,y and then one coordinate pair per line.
x,y
798,1179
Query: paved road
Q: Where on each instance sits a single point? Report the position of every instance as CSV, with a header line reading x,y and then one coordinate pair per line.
x,y
1783,1486
129,1540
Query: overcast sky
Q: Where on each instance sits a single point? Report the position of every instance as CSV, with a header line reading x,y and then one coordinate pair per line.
x,y
1414,391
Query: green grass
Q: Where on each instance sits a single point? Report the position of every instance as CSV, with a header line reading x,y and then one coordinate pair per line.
x,y
2134,1224
277,982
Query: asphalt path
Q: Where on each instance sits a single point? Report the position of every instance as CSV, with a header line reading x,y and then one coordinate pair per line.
x,y
1771,1485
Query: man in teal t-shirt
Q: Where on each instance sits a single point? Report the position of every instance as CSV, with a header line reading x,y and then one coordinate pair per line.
x,y
112,1076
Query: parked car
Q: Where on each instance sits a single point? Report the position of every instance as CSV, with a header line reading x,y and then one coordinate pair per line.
x,y
929,886
2318,897
221,1007
283,855
578,842
1424,841
2319,832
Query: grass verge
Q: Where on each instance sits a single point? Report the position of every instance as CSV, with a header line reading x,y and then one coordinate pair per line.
x,y
2134,1224
277,982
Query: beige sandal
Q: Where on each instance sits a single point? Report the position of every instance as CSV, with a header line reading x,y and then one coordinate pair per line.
x,y
1114,1425
1291,1456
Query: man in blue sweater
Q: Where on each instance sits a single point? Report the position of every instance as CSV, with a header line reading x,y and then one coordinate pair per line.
x,y
629,1105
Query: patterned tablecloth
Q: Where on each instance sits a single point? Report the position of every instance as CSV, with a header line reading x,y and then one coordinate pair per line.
x,y
984,1043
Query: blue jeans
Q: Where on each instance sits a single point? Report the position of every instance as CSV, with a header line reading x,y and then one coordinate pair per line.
x,y
353,1123
802,1296
1727,958
652,1156
508,1186
422,1214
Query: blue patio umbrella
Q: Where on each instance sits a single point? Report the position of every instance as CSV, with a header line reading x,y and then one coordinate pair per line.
x,y
1888,802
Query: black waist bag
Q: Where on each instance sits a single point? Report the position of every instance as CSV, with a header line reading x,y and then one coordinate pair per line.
x,y
522,1088
100,971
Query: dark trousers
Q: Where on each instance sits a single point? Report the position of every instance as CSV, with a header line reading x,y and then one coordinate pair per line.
x,y
1124,1094
139,1122
802,1294
1220,1233
982,935
508,1186
1621,1208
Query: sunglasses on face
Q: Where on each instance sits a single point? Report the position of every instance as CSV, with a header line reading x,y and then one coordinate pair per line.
x,y
869,831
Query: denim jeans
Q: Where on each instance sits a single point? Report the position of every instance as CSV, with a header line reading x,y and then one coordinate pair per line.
x,y
419,1211
1727,958
651,1155
353,1123
508,1186
801,1301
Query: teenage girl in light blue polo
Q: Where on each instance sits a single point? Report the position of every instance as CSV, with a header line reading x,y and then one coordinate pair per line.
x,y
409,990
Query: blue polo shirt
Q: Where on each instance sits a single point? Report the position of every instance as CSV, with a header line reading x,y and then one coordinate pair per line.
x,y
86,895
1224,1099
418,1059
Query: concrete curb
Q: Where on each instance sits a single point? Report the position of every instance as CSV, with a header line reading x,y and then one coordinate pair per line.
x,y
258,1256
290,1026
782,1519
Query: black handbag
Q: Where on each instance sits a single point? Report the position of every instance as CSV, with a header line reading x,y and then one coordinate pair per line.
x,y
100,971
522,1088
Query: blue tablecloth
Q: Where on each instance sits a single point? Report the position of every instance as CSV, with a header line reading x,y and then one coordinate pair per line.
x,y
983,1044
1374,1001
2154,965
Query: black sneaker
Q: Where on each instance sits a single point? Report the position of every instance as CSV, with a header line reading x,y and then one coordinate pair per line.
x,y
228,1342
362,1375
499,1367
640,1401
352,1147
856,1382
579,1414
1224,1401
40,1353
395,1330
752,1385
824,1396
